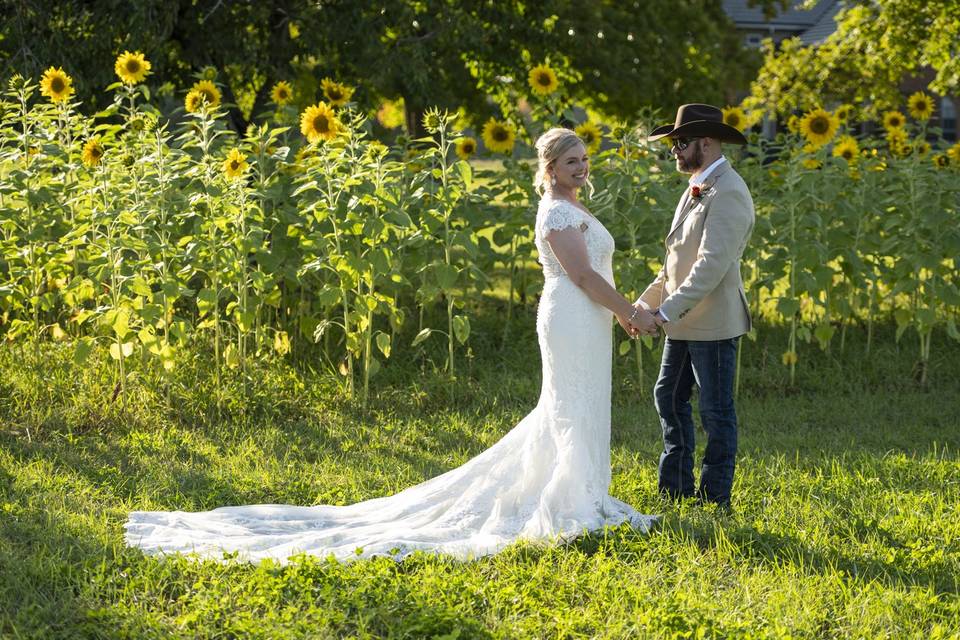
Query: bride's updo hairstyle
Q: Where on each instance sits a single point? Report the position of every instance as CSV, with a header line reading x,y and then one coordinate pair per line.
x,y
550,146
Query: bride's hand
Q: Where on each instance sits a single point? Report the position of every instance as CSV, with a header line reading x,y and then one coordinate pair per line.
x,y
642,322
631,330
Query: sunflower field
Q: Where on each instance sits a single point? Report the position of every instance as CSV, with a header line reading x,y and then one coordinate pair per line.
x,y
141,236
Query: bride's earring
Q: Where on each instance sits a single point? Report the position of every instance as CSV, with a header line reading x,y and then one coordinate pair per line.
x,y
553,180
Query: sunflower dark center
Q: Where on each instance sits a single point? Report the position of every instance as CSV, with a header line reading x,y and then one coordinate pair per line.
x,y
847,154
96,151
468,147
500,134
819,125
321,123
733,119
334,94
57,85
544,79
133,66
208,95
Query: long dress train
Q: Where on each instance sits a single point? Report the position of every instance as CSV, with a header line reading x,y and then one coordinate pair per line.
x,y
547,477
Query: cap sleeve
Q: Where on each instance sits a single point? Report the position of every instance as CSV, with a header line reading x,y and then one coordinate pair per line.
x,y
559,216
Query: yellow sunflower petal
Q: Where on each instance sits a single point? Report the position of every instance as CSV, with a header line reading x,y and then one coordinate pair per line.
x,y
819,127
235,164
498,136
920,106
591,135
209,92
92,152
542,79
282,93
131,68
466,147
56,85
337,94
319,123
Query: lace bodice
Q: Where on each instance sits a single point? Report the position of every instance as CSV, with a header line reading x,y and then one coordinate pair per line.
x,y
556,214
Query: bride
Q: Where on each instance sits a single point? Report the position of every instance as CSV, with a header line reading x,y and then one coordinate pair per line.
x,y
547,478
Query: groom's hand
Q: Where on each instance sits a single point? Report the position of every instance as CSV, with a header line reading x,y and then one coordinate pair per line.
x,y
644,322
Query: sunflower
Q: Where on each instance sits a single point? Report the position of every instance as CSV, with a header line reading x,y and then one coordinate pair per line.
x,y
940,161
920,106
591,136
282,93
543,80
92,152
498,136
131,68
793,124
846,148
893,120
466,147
337,94
433,120
193,101
897,141
954,153
819,127
922,147
235,164
209,92
843,112
56,85
319,123
376,150
788,358
735,117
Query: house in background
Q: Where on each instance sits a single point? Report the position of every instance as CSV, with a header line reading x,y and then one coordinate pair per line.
x,y
813,26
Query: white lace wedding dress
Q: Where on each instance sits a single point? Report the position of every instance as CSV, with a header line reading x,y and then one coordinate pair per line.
x,y
547,478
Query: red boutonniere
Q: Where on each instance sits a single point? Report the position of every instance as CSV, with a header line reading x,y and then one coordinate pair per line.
x,y
696,192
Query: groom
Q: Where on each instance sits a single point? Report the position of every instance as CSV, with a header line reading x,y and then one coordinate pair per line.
x,y
699,300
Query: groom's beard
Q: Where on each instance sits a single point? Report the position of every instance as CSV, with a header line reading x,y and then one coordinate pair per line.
x,y
695,163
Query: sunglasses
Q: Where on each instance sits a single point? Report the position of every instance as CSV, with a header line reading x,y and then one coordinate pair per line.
x,y
682,143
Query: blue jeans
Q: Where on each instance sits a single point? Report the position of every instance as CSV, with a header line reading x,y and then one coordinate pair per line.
x,y
711,365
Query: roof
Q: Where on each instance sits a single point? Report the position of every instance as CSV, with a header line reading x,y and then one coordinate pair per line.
x,y
794,19
823,28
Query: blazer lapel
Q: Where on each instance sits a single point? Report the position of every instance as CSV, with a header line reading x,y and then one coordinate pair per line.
x,y
687,203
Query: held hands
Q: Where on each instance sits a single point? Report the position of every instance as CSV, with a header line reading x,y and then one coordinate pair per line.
x,y
640,322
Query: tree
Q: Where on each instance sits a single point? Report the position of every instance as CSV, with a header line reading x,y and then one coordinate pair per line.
x,y
617,57
877,43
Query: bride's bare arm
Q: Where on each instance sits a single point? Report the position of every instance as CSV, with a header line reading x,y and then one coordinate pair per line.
x,y
571,251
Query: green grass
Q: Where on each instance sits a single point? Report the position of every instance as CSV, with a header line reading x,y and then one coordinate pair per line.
x,y
846,519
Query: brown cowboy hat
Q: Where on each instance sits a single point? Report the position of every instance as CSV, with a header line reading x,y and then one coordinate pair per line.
x,y
699,121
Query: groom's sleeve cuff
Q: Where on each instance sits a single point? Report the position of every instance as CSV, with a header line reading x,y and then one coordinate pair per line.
x,y
662,315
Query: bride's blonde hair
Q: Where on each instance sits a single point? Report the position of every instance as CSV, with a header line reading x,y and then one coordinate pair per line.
x,y
550,146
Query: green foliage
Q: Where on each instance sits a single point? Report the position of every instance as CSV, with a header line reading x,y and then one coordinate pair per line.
x,y
438,52
156,247
844,523
876,45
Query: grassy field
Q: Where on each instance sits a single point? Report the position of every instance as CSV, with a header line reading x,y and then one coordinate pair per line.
x,y
846,521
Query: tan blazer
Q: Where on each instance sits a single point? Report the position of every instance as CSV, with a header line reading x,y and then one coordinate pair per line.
x,y
699,288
